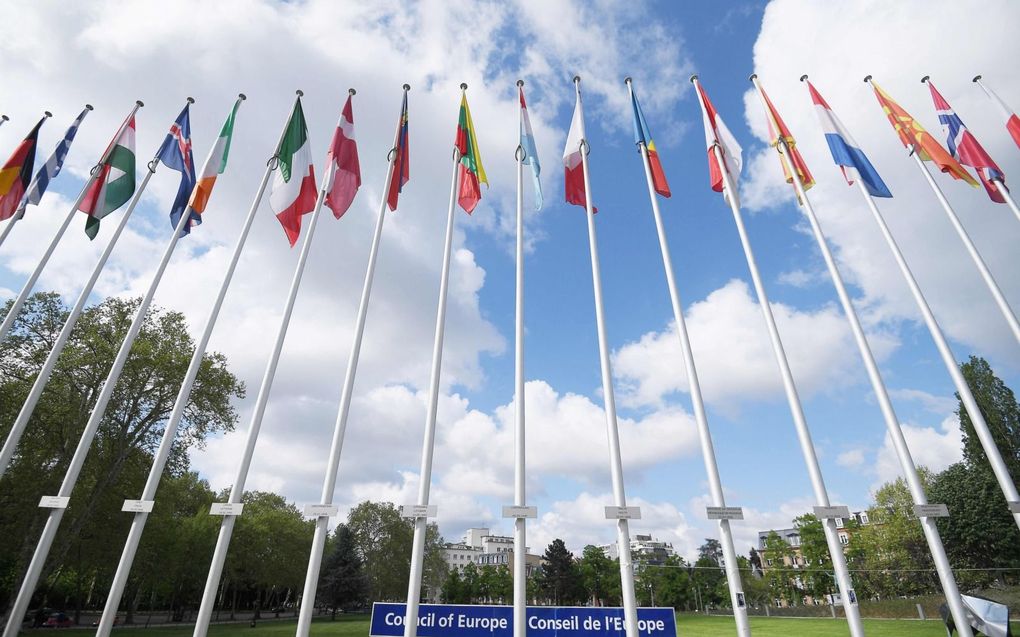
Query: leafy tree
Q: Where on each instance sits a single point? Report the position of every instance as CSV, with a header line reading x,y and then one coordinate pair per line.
x,y
711,549
1001,412
756,592
596,574
128,434
668,584
816,573
472,583
778,557
502,585
383,540
454,590
342,581
560,577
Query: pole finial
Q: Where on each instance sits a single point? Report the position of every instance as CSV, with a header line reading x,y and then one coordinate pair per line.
x,y
5,118
463,86
242,96
520,83
976,78
191,100
407,87
577,79
751,78
628,80
694,78
89,107
925,79
803,77
140,103
300,93
867,78
351,91
47,114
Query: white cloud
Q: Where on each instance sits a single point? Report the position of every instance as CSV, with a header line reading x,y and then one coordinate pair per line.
x,y
851,459
873,32
934,448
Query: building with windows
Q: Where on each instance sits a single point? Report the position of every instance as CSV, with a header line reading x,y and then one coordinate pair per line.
x,y
482,548
644,549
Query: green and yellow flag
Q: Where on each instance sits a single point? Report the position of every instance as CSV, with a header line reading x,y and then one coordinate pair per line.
x,y
472,174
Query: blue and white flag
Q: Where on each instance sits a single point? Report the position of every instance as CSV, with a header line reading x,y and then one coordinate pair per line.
x,y
175,153
530,154
49,171
845,151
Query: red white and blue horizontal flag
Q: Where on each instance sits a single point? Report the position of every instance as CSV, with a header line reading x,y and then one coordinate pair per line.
x,y
965,147
845,151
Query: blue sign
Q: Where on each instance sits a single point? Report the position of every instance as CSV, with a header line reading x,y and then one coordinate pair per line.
x,y
454,620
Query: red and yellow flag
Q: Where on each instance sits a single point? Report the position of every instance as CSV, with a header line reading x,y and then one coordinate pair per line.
x,y
913,135
778,131
16,174
472,174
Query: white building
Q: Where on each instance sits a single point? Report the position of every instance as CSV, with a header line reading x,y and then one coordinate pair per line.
x,y
480,547
643,549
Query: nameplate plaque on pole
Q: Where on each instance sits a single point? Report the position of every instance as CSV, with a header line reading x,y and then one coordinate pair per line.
x,y
321,510
226,508
415,511
623,513
931,510
519,512
828,513
137,506
1014,507
725,513
54,502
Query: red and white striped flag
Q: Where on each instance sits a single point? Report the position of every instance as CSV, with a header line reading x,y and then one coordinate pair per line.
x,y
343,151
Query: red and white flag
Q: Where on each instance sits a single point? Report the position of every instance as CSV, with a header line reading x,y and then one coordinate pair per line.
x,y
573,171
1012,121
343,151
717,134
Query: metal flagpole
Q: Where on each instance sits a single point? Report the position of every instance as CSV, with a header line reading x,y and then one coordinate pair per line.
x,y
704,435
520,573
999,104
20,213
847,594
428,444
346,394
613,433
993,287
106,621
237,490
20,607
938,551
1009,198
21,422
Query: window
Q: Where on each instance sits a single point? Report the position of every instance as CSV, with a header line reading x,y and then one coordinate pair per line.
x,y
864,518
839,523
769,562
844,539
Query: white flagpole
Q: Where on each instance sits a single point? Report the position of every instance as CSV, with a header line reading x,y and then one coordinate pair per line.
x,y
520,523
428,444
346,395
18,428
237,490
106,621
892,423
842,573
993,287
20,213
615,457
21,422
704,435
17,612
1009,198
999,104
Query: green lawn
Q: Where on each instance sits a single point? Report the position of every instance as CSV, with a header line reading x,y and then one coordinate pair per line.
x,y
687,626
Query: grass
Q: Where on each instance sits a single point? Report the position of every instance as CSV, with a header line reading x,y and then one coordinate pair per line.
x,y
687,626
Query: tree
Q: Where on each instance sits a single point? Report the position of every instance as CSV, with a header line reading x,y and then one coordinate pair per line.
x,y
453,591
816,573
560,577
668,584
1001,412
342,581
127,436
597,576
383,540
778,557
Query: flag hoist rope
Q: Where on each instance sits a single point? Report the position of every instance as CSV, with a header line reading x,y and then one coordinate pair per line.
x,y
17,612
986,275
20,213
120,578
612,428
999,468
520,567
237,489
428,444
346,394
737,599
21,422
938,551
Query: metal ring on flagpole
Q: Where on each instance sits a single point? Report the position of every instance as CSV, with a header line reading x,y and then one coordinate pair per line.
x,y
390,155
92,170
520,154
584,147
274,162
152,165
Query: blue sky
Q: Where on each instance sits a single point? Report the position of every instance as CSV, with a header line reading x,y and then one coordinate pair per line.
x,y
110,56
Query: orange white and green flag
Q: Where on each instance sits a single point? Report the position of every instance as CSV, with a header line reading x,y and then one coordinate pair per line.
x,y
914,136
215,163
472,173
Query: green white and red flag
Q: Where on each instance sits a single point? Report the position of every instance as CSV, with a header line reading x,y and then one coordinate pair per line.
x,y
294,191
115,183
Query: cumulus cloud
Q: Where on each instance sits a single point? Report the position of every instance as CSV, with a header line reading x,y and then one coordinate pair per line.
x,y
931,447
